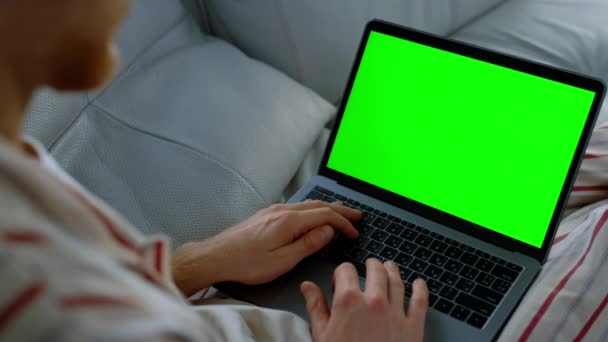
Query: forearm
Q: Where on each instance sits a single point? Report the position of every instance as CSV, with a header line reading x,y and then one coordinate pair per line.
x,y
197,265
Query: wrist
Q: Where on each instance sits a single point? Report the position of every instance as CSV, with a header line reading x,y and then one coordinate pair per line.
x,y
197,265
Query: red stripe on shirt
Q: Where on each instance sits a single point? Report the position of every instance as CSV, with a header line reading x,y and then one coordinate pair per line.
x,y
594,156
23,237
558,239
592,320
543,309
18,304
590,188
146,275
114,232
158,257
88,300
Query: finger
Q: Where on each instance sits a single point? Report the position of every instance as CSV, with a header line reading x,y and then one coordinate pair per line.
x,y
376,281
313,218
307,244
346,278
396,289
419,302
349,213
316,306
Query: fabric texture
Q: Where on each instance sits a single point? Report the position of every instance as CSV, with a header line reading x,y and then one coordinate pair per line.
x,y
568,299
191,137
73,270
315,41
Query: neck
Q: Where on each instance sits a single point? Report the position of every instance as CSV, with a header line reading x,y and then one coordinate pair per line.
x,y
15,93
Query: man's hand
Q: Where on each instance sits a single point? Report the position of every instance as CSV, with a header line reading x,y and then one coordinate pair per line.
x,y
263,247
374,315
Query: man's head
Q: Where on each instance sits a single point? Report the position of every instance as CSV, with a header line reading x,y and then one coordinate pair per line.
x,y
65,44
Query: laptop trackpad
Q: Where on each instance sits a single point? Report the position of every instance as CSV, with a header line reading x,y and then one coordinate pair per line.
x,y
284,293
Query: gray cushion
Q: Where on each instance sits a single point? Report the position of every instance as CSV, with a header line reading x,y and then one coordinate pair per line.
x,y
193,135
314,41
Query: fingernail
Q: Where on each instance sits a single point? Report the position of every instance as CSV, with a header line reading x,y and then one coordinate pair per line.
x,y
419,281
391,264
327,233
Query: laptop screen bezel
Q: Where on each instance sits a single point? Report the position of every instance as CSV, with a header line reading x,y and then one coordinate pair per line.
x,y
482,54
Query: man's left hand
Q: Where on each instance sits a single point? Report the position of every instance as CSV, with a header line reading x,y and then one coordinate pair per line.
x,y
263,247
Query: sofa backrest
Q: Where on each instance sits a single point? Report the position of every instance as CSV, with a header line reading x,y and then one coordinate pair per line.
x,y
314,41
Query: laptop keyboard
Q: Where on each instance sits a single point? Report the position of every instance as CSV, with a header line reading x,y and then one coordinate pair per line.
x,y
465,283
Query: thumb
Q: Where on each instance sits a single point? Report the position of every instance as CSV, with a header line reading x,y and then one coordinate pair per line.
x,y
316,306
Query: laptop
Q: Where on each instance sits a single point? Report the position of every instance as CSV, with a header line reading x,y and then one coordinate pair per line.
x,y
462,160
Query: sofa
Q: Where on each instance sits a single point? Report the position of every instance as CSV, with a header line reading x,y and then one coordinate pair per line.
x,y
222,107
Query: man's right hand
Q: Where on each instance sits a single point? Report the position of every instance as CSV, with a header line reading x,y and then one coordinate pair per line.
x,y
376,314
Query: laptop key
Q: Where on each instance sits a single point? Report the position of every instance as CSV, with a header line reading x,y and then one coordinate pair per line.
x,y
433,272
453,252
514,267
477,320
482,254
381,223
484,265
424,240
405,273
323,191
361,241
460,313
374,247
395,229
393,219
504,273
418,265
448,292
468,248
404,259
422,230
469,272
475,304
379,235
485,279
394,241
432,299
469,259
340,198
408,224
501,286
408,247
409,234
434,286
368,218
438,260
314,195
444,306
453,266
449,278
464,285
389,253
423,253
358,254
486,294
498,260
366,230
438,246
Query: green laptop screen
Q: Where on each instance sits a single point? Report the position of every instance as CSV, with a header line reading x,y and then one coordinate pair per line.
x,y
482,142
